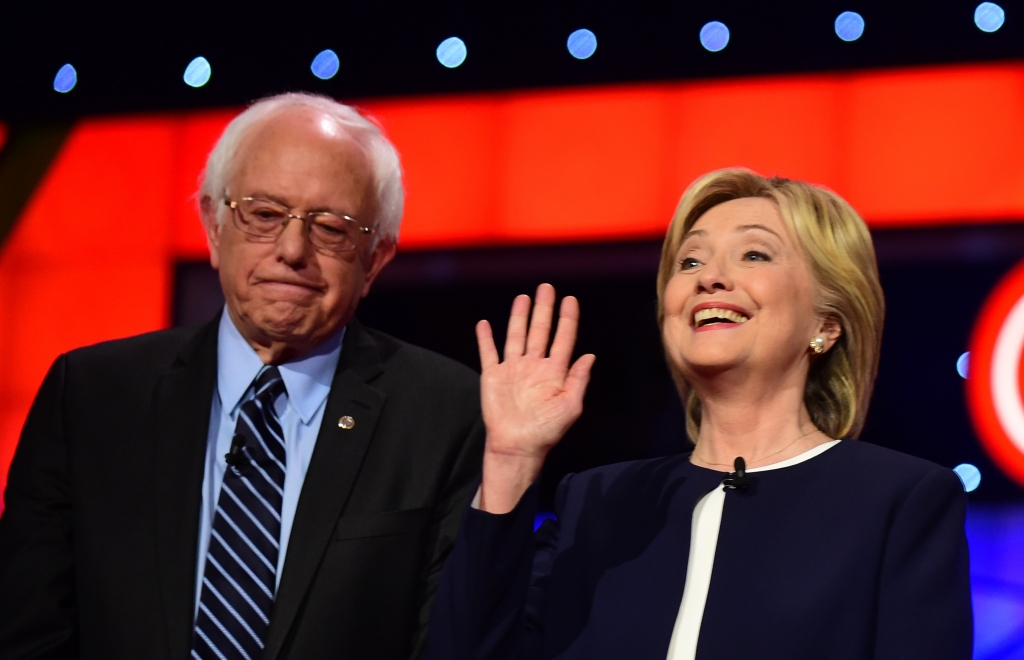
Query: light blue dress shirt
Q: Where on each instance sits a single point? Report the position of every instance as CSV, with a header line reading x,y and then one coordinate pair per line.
x,y
307,381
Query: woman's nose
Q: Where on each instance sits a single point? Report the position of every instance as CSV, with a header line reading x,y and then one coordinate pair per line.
x,y
714,276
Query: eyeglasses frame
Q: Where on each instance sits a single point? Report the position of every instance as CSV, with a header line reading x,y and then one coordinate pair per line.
x,y
305,218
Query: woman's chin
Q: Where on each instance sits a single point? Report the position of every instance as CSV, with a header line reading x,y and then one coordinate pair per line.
x,y
709,363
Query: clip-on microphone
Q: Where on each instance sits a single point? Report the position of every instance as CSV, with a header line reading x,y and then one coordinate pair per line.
x,y
737,480
236,457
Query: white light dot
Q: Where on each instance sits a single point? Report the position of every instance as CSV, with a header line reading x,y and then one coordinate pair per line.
x,y
961,364
582,44
714,36
969,475
66,79
849,26
197,73
451,52
325,65
989,17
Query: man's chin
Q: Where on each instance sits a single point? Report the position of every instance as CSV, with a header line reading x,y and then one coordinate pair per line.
x,y
288,324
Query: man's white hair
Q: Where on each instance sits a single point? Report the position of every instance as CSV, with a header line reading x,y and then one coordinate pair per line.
x,y
386,170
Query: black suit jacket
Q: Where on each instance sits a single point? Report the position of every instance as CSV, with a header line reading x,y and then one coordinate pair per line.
x,y
98,539
856,554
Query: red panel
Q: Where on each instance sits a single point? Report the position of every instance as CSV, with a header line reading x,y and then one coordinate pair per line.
x,y
89,257
937,146
452,154
3,135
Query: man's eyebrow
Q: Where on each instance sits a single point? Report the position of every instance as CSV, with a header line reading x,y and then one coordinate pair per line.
x,y
743,228
283,202
270,197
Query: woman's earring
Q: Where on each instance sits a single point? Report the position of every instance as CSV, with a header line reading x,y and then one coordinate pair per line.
x,y
818,345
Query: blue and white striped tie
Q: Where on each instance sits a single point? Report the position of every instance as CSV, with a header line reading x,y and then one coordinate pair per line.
x,y
241,564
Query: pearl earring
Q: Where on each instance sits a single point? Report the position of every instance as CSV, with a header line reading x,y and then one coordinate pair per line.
x,y
818,345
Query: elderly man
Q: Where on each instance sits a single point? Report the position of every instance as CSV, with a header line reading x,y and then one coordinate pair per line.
x,y
280,483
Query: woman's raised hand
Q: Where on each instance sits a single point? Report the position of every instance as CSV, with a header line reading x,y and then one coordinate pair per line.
x,y
529,399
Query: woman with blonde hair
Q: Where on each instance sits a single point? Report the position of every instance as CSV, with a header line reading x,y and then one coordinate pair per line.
x,y
780,535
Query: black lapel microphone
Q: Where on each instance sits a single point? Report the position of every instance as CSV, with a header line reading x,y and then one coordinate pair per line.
x,y
737,480
236,457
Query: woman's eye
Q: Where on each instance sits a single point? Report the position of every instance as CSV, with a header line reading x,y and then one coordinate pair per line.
x,y
754,255
688,263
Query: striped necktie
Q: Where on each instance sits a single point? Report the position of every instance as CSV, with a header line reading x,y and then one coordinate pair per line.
x,y
241,564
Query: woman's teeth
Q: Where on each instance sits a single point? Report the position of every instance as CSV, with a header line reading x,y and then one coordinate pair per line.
x,y
717,315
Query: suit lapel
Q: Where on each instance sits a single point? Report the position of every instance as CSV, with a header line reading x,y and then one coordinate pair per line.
x,y
332,473
182,417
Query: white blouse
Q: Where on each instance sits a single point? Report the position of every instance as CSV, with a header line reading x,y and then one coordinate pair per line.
x,y
707,519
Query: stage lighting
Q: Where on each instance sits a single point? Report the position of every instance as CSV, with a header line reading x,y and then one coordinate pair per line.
x,y
197,73
969,475
451,52
66,79
582,44
325,65
849,26
714,36
961,364
989,17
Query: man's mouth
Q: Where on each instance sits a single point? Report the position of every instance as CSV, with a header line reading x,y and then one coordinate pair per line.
x,y
290,283
713,315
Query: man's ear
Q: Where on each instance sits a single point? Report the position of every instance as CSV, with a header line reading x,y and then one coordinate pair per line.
x,y
208,214
830,331
380,257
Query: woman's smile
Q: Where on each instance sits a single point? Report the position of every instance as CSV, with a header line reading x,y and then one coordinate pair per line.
x,y
718,316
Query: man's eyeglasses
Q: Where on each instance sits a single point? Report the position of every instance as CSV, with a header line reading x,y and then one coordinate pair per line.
x,y
266,220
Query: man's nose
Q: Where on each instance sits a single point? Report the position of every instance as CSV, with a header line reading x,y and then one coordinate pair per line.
x,y
293,244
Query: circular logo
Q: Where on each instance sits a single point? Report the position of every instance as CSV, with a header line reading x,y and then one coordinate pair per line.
x,y
994,374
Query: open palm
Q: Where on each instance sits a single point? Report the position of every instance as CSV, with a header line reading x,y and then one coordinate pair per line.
x,y
532,397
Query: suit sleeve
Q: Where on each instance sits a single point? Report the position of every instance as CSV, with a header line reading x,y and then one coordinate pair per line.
x,y
490,600
925,593
464,477
38,612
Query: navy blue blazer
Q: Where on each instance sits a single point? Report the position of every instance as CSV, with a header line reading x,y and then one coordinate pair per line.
x,y
857,553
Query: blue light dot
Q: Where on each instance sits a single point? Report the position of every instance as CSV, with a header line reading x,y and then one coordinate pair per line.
x,y
714,36
66,79
989,17
961,364
969,475
325,65
849,26
451,52
582,44
197,73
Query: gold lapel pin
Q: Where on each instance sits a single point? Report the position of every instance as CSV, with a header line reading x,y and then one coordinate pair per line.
x,y
346,422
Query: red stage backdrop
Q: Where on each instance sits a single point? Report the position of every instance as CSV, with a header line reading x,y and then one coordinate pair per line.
x,y
91,256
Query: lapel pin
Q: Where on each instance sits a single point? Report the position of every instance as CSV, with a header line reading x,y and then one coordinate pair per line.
x,y
346,422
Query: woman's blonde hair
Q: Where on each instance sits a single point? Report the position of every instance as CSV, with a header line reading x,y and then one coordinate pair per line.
x,y
838,248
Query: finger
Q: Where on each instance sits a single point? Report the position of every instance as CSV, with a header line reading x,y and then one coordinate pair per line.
x,y
485,342
515,338
579,377
540,324
565,333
